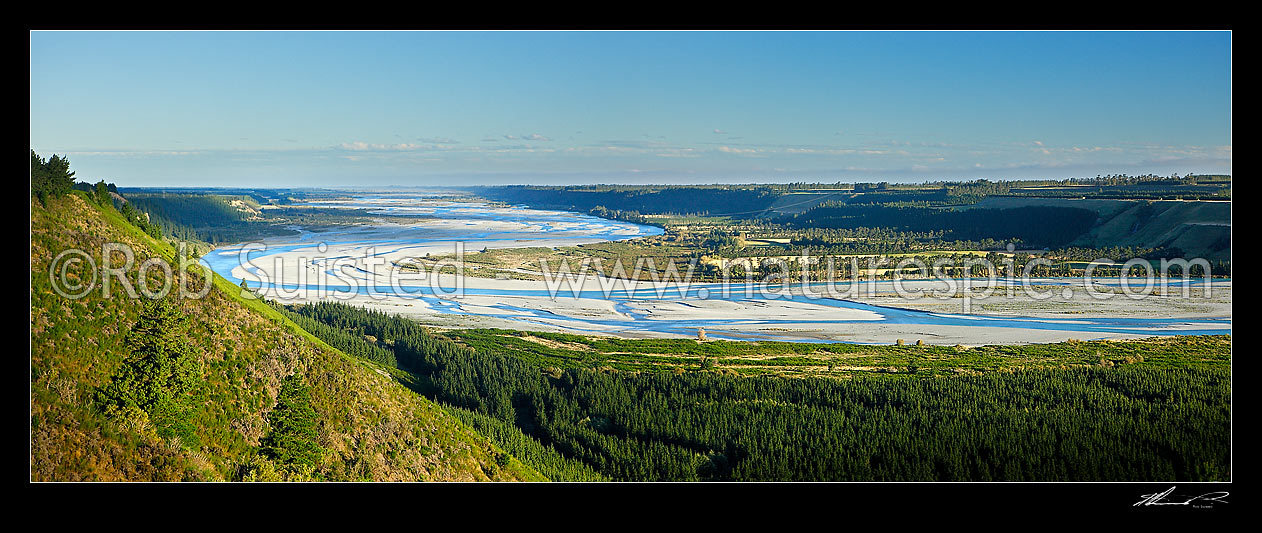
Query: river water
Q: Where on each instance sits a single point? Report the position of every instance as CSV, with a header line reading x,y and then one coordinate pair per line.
x,y
746,315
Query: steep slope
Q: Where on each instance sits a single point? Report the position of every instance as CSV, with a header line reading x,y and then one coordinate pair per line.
x,y
1197,228
365,426
801,202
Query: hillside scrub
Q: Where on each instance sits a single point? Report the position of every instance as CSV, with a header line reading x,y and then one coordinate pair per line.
x,y
98,364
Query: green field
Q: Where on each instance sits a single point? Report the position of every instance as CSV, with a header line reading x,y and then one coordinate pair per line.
x,y
839,360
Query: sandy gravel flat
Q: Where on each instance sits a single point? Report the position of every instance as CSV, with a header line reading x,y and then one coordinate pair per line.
x,y
877,312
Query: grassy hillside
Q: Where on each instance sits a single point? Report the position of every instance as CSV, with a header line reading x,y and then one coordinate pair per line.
x,y
1198,229
801,202
362,424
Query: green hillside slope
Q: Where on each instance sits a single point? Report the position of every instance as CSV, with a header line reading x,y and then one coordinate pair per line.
x,y
126,389
1199,229
1196,228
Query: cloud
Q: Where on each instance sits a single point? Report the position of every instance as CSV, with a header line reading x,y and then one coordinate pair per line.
x,y
719,132
842,151
646,145
360,146
1196,164
683,152
132,153
531,137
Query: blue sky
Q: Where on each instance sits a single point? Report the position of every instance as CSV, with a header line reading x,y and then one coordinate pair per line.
x,y
443,108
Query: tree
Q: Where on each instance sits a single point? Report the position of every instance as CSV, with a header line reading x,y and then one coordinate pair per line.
x,y
161,376
293,440
101,193
51,178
